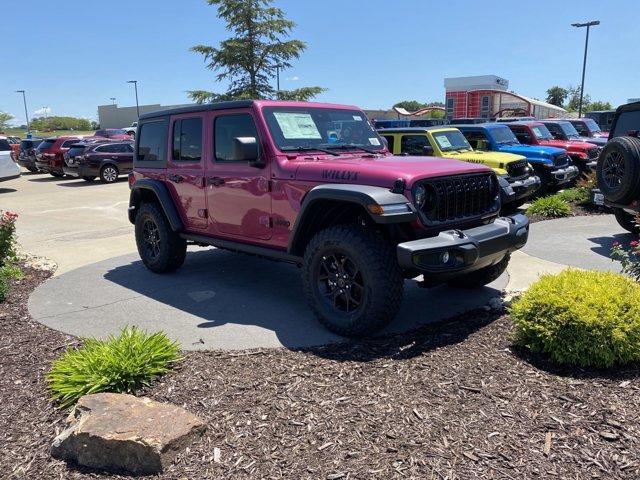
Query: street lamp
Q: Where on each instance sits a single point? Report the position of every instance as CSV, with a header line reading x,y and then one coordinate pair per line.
x,y
584,62
24,100
113,101
135,85
278,81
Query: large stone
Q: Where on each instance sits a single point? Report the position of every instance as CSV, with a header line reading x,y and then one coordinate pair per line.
x,y
120,432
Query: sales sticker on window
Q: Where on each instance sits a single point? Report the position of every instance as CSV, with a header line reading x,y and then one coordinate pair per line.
x,y
297,126
443,141
374,141
357,118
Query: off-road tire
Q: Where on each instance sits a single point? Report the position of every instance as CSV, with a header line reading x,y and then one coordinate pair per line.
x,y
625,152
107,175
32,169
481,277
381,276
626,220
172,249
57,175
88,179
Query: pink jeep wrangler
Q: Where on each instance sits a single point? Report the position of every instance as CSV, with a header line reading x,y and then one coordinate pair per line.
x,y
314,185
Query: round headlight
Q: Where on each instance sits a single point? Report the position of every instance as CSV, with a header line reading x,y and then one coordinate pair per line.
x,y
419,196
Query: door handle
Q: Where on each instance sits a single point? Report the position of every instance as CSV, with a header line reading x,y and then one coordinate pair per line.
x,y
215,181
176,178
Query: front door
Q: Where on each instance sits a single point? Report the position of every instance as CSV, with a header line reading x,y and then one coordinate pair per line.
x,y
185,170
238,196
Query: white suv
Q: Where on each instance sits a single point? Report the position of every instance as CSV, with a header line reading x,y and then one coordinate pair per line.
x,y
132,129
8,168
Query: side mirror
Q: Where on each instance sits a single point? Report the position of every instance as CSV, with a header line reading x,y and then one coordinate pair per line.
x,y
427,150
245,149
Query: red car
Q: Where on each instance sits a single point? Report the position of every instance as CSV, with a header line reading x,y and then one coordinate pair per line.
x,y
50,154
583,154
14,143
112,134
587,127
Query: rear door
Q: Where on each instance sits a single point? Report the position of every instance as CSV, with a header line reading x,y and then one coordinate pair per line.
x,y
238,196
185,169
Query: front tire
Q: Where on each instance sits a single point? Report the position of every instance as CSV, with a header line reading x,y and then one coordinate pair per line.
x,y
351,280
160,248
32,169
57,175
626,220
88,179
481,277
109,174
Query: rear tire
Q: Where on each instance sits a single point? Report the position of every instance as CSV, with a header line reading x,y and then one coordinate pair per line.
x,y
160,248
618,170
88,179
109,174
481,277
32,169
57,175
352,280
626,220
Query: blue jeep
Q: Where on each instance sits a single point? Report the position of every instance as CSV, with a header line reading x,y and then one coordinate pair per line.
x,y
552,165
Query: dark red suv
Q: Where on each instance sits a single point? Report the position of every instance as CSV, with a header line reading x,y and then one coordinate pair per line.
x,y
49,154
104,159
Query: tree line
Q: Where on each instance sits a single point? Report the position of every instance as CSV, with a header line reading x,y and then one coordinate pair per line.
x,y
569,99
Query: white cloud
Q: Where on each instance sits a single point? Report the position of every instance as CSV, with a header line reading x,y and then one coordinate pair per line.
x,y
43,111
293,79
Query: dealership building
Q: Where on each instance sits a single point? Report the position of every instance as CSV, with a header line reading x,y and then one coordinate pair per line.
x,y
488,96
113,116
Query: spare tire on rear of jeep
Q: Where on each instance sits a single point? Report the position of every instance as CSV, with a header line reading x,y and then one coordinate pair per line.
x,y
618,170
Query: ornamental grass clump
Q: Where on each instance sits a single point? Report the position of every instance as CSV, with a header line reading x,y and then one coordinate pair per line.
x,y
550,207
581,318
121,364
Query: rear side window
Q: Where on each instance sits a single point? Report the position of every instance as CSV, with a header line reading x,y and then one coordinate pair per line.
x,y
522,134
4,145
76,150
413,144
555,129
627,121
477,139
46,144
151,147
581,128
68,143
390,142
187,140
227,128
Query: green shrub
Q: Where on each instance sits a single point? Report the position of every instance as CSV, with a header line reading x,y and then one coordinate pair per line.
x,y
575,195
119,364
589,319
551,207
7,272
7,236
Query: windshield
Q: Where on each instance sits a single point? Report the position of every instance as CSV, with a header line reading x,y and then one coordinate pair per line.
x,y
503,136
592,125
542,133
315,127
451,140
568,129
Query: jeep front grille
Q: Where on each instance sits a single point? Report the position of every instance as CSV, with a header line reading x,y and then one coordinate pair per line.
x,y
518,169
462,197
561,160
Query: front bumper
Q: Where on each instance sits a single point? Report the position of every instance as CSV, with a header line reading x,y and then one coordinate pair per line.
x,y
80,170
457,252
564,175
524,188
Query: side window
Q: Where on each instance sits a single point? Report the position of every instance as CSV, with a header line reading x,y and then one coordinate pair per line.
x,y
68,143
152,143
522,135
477,139
187,140
580,127
129,148
554,129
413,144
228,127
105,149
390,142
627,121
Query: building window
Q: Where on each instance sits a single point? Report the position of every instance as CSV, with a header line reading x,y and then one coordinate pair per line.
x,y
450,106
485,105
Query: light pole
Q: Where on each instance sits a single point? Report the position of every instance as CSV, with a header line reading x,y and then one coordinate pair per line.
x,y
135,85
584,62
278,81
113,101
24,100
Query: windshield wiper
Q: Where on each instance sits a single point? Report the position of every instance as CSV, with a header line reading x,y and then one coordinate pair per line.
x,y
309,149
346,146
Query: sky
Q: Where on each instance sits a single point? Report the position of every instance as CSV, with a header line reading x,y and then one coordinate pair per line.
x,y
72,57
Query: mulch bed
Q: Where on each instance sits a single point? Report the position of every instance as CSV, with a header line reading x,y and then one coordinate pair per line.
x,y
577,210
451,400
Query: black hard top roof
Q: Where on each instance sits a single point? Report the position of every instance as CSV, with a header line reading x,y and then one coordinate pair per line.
x,y
415,129
198,108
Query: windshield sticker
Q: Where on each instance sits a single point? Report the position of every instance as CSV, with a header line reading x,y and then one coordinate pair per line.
x,y
297,126
374,141
357,118
443,141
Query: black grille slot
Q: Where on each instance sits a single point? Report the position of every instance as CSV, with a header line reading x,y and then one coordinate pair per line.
x,y
517,169
459,198
561,160
593,153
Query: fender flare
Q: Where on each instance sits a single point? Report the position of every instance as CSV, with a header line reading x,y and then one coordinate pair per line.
x,y
160,191
364,196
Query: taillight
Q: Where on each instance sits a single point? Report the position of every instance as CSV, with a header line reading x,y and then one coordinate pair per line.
x,y
131,179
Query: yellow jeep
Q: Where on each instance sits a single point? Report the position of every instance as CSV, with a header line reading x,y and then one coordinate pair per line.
x,y
517,178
